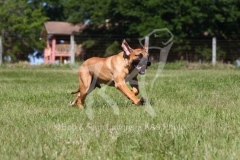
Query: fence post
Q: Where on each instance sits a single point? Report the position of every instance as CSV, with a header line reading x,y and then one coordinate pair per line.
x,y
147,41
72,59
1,50
214,50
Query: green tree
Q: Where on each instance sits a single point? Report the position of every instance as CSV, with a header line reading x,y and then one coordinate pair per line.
x,y
185,18
20,25
21,21
188,20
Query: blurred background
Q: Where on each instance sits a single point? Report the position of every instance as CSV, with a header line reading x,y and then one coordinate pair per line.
x,y
193,23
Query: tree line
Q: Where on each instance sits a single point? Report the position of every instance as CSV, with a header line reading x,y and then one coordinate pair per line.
x,y
22,21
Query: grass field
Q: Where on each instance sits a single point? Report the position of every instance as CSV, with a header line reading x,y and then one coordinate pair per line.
x,y
197,117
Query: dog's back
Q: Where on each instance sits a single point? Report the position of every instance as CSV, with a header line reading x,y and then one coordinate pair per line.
x,y
98,67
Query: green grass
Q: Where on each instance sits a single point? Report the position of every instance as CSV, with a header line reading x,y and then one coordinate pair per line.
x,y
197,117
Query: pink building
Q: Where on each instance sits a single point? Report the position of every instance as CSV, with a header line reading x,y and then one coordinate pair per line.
x,y
55,32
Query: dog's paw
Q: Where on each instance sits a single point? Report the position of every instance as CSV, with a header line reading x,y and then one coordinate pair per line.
x,y
70,103
142,101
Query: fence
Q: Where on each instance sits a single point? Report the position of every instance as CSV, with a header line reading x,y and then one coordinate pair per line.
x,y
198,49
1,50
191,50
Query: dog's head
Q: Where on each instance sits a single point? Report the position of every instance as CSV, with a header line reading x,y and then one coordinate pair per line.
x,y
138,58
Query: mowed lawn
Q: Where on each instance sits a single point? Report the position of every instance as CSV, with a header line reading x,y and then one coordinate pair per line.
x,y
197,116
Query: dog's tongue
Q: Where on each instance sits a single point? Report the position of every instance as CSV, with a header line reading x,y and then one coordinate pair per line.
x,y
141,69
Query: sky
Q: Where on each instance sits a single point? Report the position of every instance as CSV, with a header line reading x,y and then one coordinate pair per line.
x,y
35,60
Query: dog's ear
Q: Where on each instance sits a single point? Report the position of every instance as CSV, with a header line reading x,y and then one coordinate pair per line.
x,y
126,48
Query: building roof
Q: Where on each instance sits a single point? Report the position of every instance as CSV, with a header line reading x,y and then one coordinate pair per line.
x,y
66,28
63,28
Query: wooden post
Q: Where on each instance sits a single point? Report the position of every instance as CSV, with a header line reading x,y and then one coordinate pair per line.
x,y
1,50
60,60
72,59
47,54
214,50
53,51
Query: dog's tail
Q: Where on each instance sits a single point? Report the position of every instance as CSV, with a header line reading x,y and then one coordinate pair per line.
x,y
77,91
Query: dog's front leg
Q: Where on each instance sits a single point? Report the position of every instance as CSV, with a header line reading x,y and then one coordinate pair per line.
x,y
134,84
128,93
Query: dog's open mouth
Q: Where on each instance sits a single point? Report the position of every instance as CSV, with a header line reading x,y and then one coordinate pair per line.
x,y
141,69
141,65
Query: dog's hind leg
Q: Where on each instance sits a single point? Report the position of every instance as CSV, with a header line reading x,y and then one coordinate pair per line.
x,y
75,100
85,80
93,85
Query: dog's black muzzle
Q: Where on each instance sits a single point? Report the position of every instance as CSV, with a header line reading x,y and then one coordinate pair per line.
x,y
149,63
141,65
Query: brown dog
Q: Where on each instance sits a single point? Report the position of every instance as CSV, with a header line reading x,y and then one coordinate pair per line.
x,y
113,71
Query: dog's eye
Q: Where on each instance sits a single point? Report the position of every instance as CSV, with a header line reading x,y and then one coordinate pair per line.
x,y
139,55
